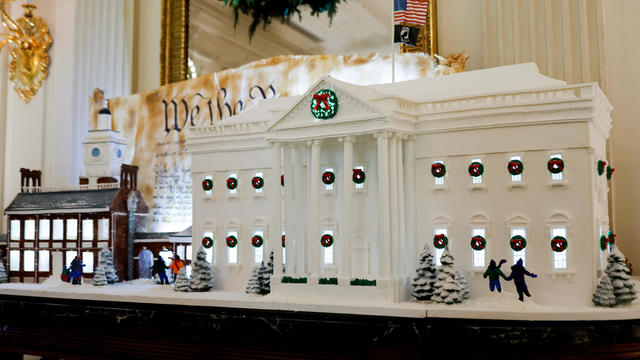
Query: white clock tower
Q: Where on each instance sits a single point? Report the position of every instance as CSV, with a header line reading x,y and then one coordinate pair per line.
x,y
103,151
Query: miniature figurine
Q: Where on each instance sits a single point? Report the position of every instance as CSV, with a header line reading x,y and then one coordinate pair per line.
x,y
159,268
175,266
494,273
517,274
76,271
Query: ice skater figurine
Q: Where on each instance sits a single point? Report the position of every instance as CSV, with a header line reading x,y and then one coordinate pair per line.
x,y
494,273
76,271
176,265
517,274
159,267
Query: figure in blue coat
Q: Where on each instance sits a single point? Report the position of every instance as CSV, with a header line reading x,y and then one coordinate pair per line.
x,y
76,271
517,274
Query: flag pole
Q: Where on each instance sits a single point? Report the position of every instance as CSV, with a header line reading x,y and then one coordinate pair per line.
x,y
393,52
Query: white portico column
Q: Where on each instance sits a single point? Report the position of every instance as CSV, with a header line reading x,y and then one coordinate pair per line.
x,y
347,218
289,222
275,243
299,182
410,179
393,198
402,224
314,212
383,204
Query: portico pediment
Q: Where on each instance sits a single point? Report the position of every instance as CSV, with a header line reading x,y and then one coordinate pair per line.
x,y
353,114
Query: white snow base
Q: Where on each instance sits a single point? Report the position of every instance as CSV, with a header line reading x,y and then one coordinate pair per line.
x,y
504,306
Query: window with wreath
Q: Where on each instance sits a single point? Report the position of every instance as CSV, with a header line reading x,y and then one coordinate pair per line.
x,y
559,247
208,250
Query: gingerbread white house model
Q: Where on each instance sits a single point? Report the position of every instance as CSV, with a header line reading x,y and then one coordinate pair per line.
x,y
347,183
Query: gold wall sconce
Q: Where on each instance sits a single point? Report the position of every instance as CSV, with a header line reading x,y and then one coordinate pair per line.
x,y
29,42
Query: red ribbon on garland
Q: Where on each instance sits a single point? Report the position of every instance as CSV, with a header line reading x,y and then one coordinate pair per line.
x,y
321,98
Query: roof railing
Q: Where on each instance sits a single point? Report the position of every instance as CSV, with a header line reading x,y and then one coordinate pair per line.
x,y
37,189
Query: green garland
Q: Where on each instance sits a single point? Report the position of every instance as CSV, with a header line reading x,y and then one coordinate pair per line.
x,y
328,281
263,11
292,280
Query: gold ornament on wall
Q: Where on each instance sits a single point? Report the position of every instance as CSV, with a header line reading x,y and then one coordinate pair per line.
x,y
29,41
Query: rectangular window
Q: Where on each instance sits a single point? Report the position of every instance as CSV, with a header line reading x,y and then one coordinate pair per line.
x,y
58,229
558,176
359,186
209,251
189,252
44,229
208,192
15,229
259,174
43,260
103,229
438,252
235,176
438,181
70,255
479,255
327,253
284,252
477,179
559,258
29,229
87,260
328,187
180,251
87,229
517,255
602,253
72,229
232,252
14,260
258,252
516,178
29,260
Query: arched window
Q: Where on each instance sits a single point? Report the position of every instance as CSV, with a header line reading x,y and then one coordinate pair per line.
x,y
233,229
558,225
479,226
519,226
441,226
259,227
328,227
210,229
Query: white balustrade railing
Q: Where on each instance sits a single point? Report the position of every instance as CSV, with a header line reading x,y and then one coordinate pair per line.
x,y
37,189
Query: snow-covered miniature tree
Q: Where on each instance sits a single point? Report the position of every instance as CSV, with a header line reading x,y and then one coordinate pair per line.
x,y
201,275
105,258
618,274
3,273
604,296
463,283
253,286
100,277
182,281
425,277
447,289
264,279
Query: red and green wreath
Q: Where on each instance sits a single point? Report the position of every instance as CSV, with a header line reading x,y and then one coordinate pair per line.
x,y
328,177
610,171
282,180
207,242
232,183
478,243
476,169
326,240
611,238
440,241
324,104
515,167
207,184
555,165
283,240
358,176
559,244
232,241
518,242
601,167
257,241
438,170
257,182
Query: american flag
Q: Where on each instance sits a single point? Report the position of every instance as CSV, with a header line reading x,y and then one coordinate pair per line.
x,y
410,11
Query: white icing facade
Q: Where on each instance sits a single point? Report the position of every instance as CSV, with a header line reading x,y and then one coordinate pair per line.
x,y
395,132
